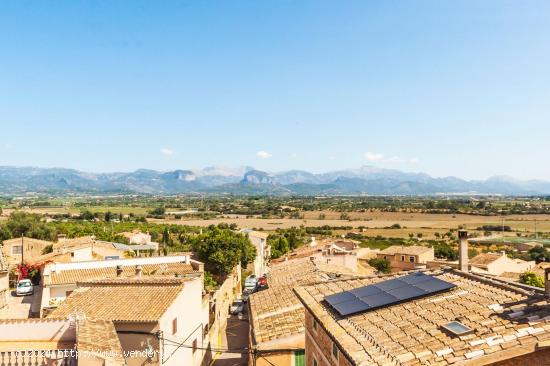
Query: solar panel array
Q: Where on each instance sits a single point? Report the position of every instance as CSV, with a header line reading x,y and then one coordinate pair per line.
x,y
386,293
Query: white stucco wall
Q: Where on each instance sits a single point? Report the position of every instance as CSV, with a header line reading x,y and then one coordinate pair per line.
x,y
191,317
82,254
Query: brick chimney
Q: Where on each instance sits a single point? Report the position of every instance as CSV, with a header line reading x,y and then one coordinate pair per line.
x,y
463,250
547,282
138,270
119,270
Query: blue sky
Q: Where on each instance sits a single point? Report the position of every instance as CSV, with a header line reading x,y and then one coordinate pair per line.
x,y
445,87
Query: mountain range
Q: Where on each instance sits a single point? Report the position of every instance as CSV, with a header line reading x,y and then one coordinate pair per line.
x,y
366,180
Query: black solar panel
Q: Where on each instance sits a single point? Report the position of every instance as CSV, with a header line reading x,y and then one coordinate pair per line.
x,y
386,293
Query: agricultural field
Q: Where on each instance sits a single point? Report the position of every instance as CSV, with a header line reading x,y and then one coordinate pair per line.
x,y
426,217
383,223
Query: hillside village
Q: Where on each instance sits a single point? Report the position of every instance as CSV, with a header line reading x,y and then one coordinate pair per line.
x,y
331,301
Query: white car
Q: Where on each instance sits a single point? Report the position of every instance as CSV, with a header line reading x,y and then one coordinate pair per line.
x,y
236,307
24,287
250,284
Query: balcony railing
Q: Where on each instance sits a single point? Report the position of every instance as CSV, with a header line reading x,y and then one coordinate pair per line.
x,y
59,357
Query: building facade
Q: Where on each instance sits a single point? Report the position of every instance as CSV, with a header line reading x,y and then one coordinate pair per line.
x,y
406,257
161,321
263,251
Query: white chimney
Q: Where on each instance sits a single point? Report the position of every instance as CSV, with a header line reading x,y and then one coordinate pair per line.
x,y
463,250
138,270
119,270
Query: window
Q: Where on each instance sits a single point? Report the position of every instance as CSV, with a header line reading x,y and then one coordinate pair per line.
x,y
411,259
195,345
385,257
175,326
315,362
72,254
334,351
299,358
16,249
402,258
315,325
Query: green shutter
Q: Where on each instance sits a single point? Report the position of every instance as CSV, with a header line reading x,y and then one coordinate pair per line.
x,y
299,358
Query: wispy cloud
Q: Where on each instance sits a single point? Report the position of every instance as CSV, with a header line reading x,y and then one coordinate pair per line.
x,y
167,152
370,156
293,156
263,154
377,157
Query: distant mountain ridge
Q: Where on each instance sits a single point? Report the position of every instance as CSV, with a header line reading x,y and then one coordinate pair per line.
x,y
247,180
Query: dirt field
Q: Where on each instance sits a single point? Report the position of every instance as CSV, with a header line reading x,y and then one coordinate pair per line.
x,y
378,223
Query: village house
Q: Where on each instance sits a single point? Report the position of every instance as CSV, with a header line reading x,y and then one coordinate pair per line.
x,y
525,247
277,316
18,249
403,257
56,342
440,317
498,263
338,253
263,251
137,237
59,280
159,321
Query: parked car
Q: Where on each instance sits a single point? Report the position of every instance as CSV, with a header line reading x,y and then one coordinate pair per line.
x,y
262,282
251,283
236,307
24,287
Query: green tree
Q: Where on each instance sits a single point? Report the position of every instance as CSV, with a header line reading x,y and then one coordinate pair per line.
x,y
531,279
445,251
381,265
31,225
159,211
279,246
222,249
87,215
108,216
210,283
539,254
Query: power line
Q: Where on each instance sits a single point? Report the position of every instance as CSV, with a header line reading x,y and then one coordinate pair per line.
x,y
244,350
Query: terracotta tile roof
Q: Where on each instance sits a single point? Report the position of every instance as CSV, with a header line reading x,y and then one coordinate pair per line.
x,y
406,250
276,312
409,333
26,240
484,259
120,303
81,275
99,337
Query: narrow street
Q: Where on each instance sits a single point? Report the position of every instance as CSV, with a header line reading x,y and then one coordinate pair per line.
x,y
19,307
235,338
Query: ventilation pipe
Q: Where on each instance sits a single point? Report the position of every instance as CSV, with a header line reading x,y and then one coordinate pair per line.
x,y
463,250
119,270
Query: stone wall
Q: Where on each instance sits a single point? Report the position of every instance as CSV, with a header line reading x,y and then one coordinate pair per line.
x,y
319,346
